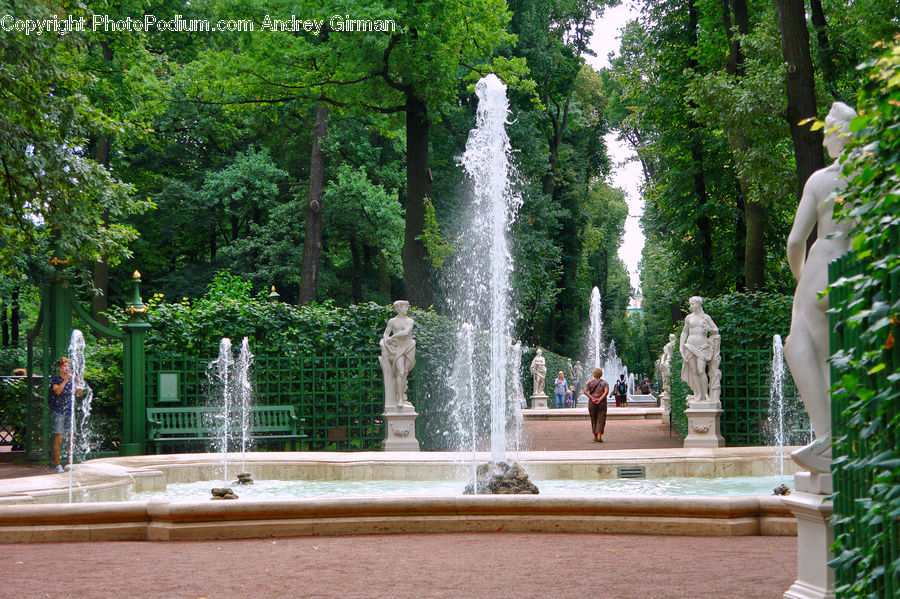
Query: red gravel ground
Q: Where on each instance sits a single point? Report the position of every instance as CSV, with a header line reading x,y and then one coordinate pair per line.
x,y
575,435
456,565
545,566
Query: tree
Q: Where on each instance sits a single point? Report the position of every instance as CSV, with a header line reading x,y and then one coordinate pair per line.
x,y
49,182
799,84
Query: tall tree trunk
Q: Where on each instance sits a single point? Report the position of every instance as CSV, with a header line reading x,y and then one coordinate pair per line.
x,y
704,234
312,241
357,273
416,264
755,253
100,298
384,276
213,246
14,318
4,325
800,87
752,220
826,58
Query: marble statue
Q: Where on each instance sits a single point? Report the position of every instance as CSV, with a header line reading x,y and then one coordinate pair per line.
x,y
806,347
539,372
699,346
570,368
579,371
665,364
398,356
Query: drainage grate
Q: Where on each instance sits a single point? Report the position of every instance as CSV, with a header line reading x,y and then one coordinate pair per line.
x,y
631,472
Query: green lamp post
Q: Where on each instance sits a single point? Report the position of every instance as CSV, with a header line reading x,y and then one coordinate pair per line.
x,y
133,366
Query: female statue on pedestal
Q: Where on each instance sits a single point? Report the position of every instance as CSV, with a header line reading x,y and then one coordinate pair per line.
x,y
806,348
699,351
539,373
398,356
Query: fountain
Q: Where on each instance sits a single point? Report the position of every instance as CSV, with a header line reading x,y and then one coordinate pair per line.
x,y
81,435
787,423
598,356
244,391
484,263
231,390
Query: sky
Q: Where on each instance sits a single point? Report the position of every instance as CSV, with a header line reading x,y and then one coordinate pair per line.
x,y
627,170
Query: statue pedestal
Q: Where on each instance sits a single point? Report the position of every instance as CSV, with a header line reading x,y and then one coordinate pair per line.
x,y
815,580
539,402
704,427
664,400
400,430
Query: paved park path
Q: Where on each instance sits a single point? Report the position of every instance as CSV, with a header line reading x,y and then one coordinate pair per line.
x,y
456,565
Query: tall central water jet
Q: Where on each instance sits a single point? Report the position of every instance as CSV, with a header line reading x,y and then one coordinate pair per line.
x,y
484,262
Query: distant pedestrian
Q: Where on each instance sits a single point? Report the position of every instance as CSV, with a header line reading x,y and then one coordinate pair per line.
x,y
560,386
596,390
621,392
570,396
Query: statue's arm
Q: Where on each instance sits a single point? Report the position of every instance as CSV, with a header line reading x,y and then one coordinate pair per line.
x,y
713,329
804,221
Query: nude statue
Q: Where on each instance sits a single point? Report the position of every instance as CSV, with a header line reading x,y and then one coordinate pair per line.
x,y
665,364
539,372
398,356
699,346
806,347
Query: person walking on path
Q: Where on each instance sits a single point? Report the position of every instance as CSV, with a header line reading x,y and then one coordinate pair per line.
x,y
596,390
60,398
621,392
560,385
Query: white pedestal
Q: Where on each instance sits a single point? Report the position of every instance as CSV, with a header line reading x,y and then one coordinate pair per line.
x,y
400,430
539,402
664,400
815,580
704,427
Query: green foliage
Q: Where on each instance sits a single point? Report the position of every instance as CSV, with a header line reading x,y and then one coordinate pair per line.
x,y
50,182
749,320
438,249
867,464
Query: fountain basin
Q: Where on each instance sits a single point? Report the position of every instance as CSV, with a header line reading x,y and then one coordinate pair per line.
x,y
31,508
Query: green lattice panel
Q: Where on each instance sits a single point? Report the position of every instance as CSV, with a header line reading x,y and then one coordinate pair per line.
x,y
852,485
340,398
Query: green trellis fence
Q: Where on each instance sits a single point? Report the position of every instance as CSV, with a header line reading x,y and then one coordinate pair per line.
x,y
339,397
746,380
854,468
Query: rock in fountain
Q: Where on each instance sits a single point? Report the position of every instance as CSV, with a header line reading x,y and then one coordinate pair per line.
x,y
222,493
501,479
244,478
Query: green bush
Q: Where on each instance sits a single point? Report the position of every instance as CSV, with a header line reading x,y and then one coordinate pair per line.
x,y
866,392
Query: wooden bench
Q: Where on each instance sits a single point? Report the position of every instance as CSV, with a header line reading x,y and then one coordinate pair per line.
x,y
202,423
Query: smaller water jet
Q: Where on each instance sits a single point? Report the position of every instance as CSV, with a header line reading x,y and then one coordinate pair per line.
x,y
81,434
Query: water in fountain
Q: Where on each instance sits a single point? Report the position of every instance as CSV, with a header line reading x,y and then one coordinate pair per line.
x,y
244,390
220,374
788,422
597,356
81,434
483,263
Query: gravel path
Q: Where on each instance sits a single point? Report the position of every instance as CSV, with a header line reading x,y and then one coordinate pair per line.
x,y
463,565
